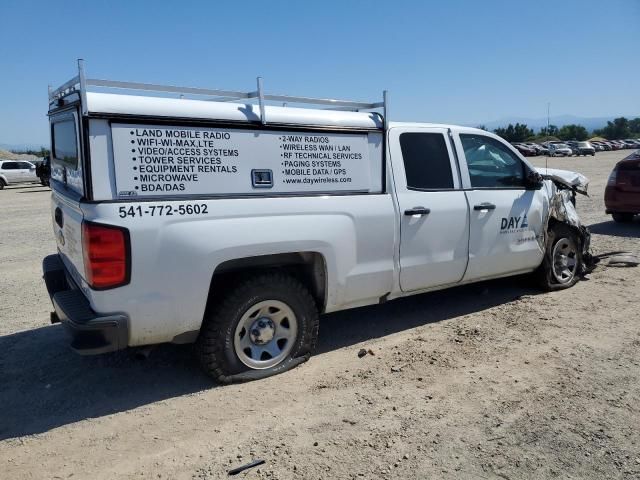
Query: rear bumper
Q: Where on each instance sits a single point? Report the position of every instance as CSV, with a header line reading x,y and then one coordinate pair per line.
x,y
91,333
618,201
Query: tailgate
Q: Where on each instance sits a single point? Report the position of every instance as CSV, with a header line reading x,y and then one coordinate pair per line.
x,y
67,228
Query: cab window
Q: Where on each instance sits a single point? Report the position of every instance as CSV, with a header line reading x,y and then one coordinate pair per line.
x,y
426,161
491,164
9,166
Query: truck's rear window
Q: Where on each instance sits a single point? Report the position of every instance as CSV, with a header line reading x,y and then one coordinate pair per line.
x,y
65,147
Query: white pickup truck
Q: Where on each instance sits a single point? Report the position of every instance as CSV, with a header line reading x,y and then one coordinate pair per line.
x,y
185,217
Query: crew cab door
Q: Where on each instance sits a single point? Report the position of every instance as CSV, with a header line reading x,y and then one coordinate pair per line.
x,y
434,218
506,226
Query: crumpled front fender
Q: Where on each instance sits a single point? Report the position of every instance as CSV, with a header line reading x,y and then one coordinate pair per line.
x,y
562,186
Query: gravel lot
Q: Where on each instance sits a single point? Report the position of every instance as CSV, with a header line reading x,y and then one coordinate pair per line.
x,y
494,380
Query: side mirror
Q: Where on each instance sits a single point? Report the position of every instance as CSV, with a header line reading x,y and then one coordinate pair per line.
x,y
534,180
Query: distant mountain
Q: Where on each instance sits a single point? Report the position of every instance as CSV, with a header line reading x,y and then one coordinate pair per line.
x,y
21,147
590,123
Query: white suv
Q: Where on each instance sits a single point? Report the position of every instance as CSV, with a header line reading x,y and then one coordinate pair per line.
x,y
16,171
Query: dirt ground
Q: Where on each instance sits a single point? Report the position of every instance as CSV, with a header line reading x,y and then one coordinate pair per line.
x,y
494,380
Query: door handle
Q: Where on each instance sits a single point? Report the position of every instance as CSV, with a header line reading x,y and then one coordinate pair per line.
x,y
58,217
484,206
417,211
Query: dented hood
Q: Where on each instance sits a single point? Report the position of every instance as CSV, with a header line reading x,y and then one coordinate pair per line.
x,y
572,180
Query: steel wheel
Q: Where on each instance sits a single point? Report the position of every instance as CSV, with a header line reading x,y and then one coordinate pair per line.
x,y
564,260
265,334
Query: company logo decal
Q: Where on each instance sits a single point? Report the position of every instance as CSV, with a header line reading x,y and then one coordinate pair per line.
x,y
129,193
513,224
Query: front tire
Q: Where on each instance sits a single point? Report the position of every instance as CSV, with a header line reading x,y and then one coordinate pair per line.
x,y
562,263
2,184
263,327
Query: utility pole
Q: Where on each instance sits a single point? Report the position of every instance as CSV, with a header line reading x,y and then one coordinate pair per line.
x,y
546,160
548,123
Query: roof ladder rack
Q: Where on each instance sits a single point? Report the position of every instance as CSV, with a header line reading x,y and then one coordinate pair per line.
x,y
80,84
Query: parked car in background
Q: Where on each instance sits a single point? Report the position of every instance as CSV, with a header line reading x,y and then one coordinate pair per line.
x,y
16,171
632,143
43,171
597,146
573,145
622,194
560,150
540,149
525,150
604,146
585,148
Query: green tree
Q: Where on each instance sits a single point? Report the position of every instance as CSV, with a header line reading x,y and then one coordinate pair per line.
x,y
615,130
514,133
634,126
573,132
551,131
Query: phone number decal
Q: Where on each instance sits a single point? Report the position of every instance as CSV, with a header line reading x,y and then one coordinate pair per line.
x,y
163,210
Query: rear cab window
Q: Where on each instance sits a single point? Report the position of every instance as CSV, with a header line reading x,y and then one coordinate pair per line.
x,y
66,164
426,161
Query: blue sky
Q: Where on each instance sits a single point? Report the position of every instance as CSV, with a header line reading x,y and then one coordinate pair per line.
x,y
457,61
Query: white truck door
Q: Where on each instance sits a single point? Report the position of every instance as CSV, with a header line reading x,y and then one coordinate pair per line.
x,y
25,172
506,216
434,223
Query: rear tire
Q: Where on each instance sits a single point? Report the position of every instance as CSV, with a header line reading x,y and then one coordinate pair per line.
x,y
622,217
264,326
2,184
562,263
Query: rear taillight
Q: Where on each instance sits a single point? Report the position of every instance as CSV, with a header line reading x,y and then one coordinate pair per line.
x,y
613,177
106,255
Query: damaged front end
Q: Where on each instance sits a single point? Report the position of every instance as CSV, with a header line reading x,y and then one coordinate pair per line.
x,y
562,187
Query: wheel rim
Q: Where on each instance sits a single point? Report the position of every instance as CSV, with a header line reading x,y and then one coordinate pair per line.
x,y
565,260
265,334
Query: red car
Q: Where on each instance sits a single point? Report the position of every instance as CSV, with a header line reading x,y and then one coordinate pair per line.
x,y
525,150
622,195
